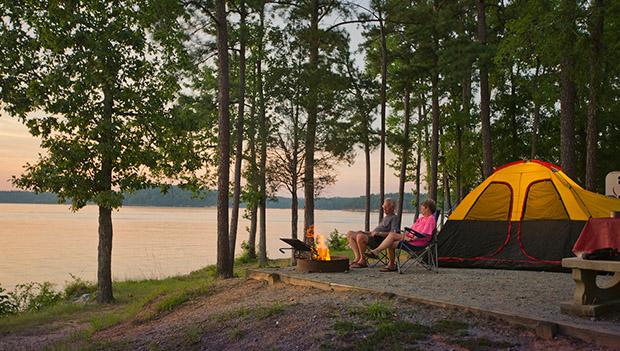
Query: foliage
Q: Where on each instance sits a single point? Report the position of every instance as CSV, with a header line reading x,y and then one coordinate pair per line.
x,y
7,306
115,111
31,297
77,288
244,257
337,241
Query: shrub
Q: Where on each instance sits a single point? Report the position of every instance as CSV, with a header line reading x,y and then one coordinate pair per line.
x,y
78,287
6,305
337,241
34,296
244,257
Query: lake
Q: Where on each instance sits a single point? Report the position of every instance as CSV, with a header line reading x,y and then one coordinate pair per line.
x,y
50,243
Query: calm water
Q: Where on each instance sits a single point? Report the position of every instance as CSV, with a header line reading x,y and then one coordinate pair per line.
x,y
49,242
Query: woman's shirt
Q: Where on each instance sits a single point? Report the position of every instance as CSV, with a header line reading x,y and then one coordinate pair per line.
x,y
424,225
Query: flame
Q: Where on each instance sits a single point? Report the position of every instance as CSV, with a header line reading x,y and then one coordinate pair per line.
x,y
310,231
321,248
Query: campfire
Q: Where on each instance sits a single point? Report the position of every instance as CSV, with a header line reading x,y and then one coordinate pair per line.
x,y
315,257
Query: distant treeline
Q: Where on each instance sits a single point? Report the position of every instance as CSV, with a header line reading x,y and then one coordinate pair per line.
x,y
177,197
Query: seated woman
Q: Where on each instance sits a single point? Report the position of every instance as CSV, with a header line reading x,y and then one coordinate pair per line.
x,y
421,235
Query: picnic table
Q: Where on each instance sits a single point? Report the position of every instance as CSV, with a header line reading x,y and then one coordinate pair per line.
x,y
589,299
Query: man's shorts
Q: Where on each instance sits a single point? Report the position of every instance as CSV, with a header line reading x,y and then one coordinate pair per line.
x,y
374,241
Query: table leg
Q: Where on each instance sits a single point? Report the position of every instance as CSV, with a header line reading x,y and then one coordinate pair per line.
x,y
587,292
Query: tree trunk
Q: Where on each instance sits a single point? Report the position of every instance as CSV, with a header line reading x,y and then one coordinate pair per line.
x,y
104,250
447,204
513,118
252,233
262,235
104,270
485,108
253,180
432,191
239,127
367,211
596,33
224,262
459,135
404,157
312,122
567,90
383,110
536,116
383,107
418,161
294,178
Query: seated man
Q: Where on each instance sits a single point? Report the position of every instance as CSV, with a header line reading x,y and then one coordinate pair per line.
x,y
420,235
359,240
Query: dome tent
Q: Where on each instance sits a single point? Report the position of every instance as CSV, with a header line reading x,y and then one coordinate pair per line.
x,y
526,215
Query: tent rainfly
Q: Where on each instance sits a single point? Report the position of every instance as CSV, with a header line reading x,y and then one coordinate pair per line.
x,y
526,215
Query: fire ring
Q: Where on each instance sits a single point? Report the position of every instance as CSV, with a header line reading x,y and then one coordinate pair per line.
x,y
336,264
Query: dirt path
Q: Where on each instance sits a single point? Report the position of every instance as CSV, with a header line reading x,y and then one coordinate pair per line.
x,y
246,314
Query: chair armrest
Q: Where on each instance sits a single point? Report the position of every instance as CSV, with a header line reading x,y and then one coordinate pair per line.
x,y
417,234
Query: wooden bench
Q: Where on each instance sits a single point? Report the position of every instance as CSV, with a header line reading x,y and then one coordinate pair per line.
x,y
589,299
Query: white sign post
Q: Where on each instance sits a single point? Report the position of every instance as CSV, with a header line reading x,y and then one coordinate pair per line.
x,y
612,185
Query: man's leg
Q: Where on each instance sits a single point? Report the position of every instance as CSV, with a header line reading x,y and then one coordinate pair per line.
x,y
362,243
352,239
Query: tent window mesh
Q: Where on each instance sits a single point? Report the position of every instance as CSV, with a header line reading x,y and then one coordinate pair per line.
x,y
493,204
543,202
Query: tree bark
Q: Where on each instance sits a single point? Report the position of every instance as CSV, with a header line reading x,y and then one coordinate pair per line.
x,y
419,160
294,178
596,33
536,117
104,270
262,235
312,121
104,250
224,262
567,90
459,135
432,191
383,112
404,156
252,233
239,127
485,107
253,180
367,202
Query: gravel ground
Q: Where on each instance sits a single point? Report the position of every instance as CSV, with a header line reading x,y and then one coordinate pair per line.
x,y
522,293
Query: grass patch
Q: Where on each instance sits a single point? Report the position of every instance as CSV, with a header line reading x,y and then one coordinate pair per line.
x,y
169,303
258,312
450,327
376,311
481,344
192,334
343,328
400,334
264,312
236,334
241,312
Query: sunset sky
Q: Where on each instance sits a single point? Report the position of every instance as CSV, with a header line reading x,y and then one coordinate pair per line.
x,y
17,147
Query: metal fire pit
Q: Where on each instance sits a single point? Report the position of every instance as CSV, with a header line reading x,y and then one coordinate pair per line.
x,y
336,264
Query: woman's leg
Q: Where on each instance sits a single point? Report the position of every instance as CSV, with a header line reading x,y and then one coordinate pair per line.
x,y
390,241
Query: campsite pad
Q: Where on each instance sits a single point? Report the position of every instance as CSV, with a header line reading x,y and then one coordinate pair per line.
x,y
528,297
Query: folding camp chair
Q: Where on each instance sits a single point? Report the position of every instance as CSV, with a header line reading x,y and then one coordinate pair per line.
x,y
382,258
425,256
